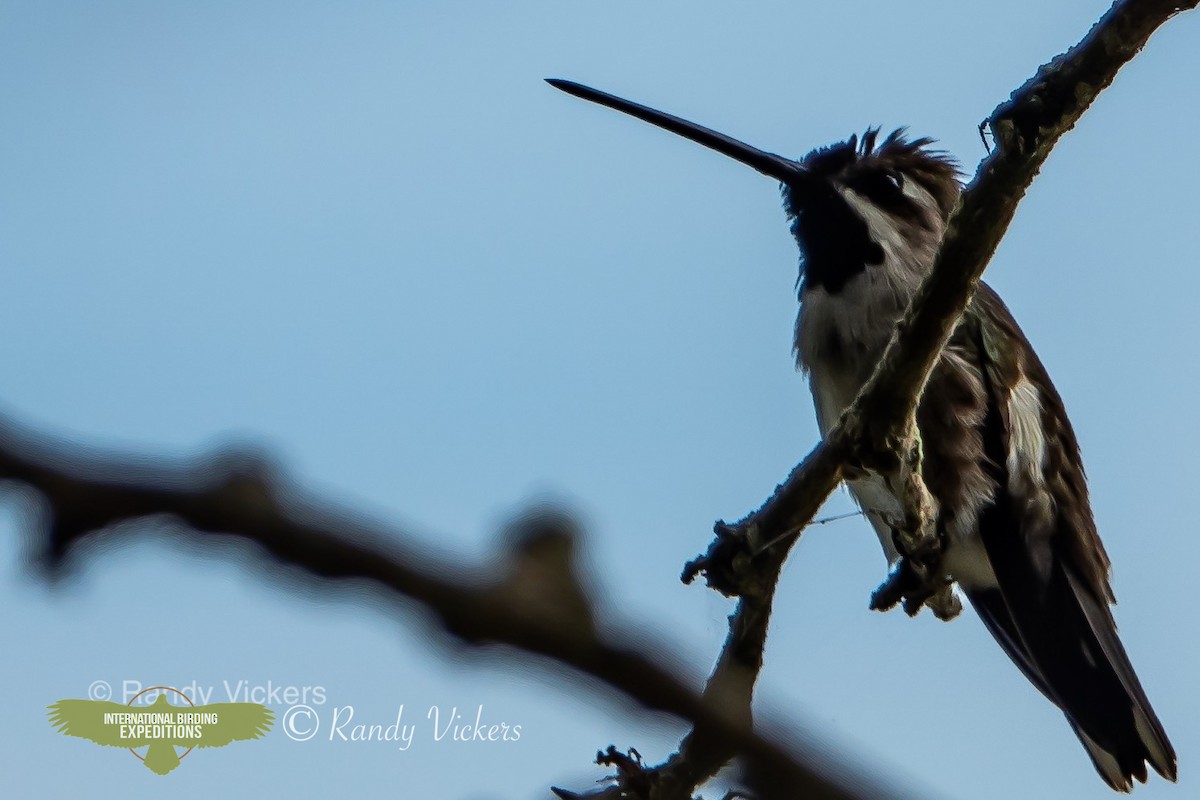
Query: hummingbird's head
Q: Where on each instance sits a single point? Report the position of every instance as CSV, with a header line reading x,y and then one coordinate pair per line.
x,y
868,204
854,206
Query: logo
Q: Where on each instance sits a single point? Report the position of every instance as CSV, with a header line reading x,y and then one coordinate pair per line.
x,y
160,727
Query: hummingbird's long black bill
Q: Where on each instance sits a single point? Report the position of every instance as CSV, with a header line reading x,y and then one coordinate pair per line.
x,y
781,169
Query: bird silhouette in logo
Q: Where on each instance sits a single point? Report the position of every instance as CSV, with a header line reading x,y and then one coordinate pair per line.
x,y
162,727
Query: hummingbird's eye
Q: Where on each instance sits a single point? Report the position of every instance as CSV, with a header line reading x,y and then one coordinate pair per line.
x,y
883,187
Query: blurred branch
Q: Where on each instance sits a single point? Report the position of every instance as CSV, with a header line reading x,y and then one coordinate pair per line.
x,y
878,430
538,606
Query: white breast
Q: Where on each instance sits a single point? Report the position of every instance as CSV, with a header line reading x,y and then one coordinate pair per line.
x,y
866,311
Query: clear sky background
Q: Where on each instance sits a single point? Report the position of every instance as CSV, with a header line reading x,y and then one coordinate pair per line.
x,y
369,238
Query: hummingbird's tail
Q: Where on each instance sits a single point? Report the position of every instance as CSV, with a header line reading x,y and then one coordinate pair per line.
x,y
1151,742
1067,646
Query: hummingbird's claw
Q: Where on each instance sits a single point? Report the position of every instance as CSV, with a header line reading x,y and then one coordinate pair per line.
x,y
899,581
913,583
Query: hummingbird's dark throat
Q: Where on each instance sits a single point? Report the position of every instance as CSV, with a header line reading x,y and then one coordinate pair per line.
x,y
835,241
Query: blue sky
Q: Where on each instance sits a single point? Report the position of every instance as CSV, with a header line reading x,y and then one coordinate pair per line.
x,y
370,239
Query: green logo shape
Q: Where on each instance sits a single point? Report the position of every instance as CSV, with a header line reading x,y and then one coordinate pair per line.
x,y
161,727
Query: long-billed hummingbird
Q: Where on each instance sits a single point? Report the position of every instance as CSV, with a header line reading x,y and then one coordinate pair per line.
x,y
999,456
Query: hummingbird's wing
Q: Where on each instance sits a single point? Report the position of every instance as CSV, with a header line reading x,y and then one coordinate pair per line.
x,y
1049,608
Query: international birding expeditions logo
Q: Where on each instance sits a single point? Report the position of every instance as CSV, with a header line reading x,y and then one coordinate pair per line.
x,y
161,727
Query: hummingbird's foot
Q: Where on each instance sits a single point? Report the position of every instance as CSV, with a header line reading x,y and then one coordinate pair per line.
x,y
944,603
913,582
900,580
726,565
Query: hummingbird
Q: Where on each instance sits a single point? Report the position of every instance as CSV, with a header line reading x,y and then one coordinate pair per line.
x,y
1000,457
